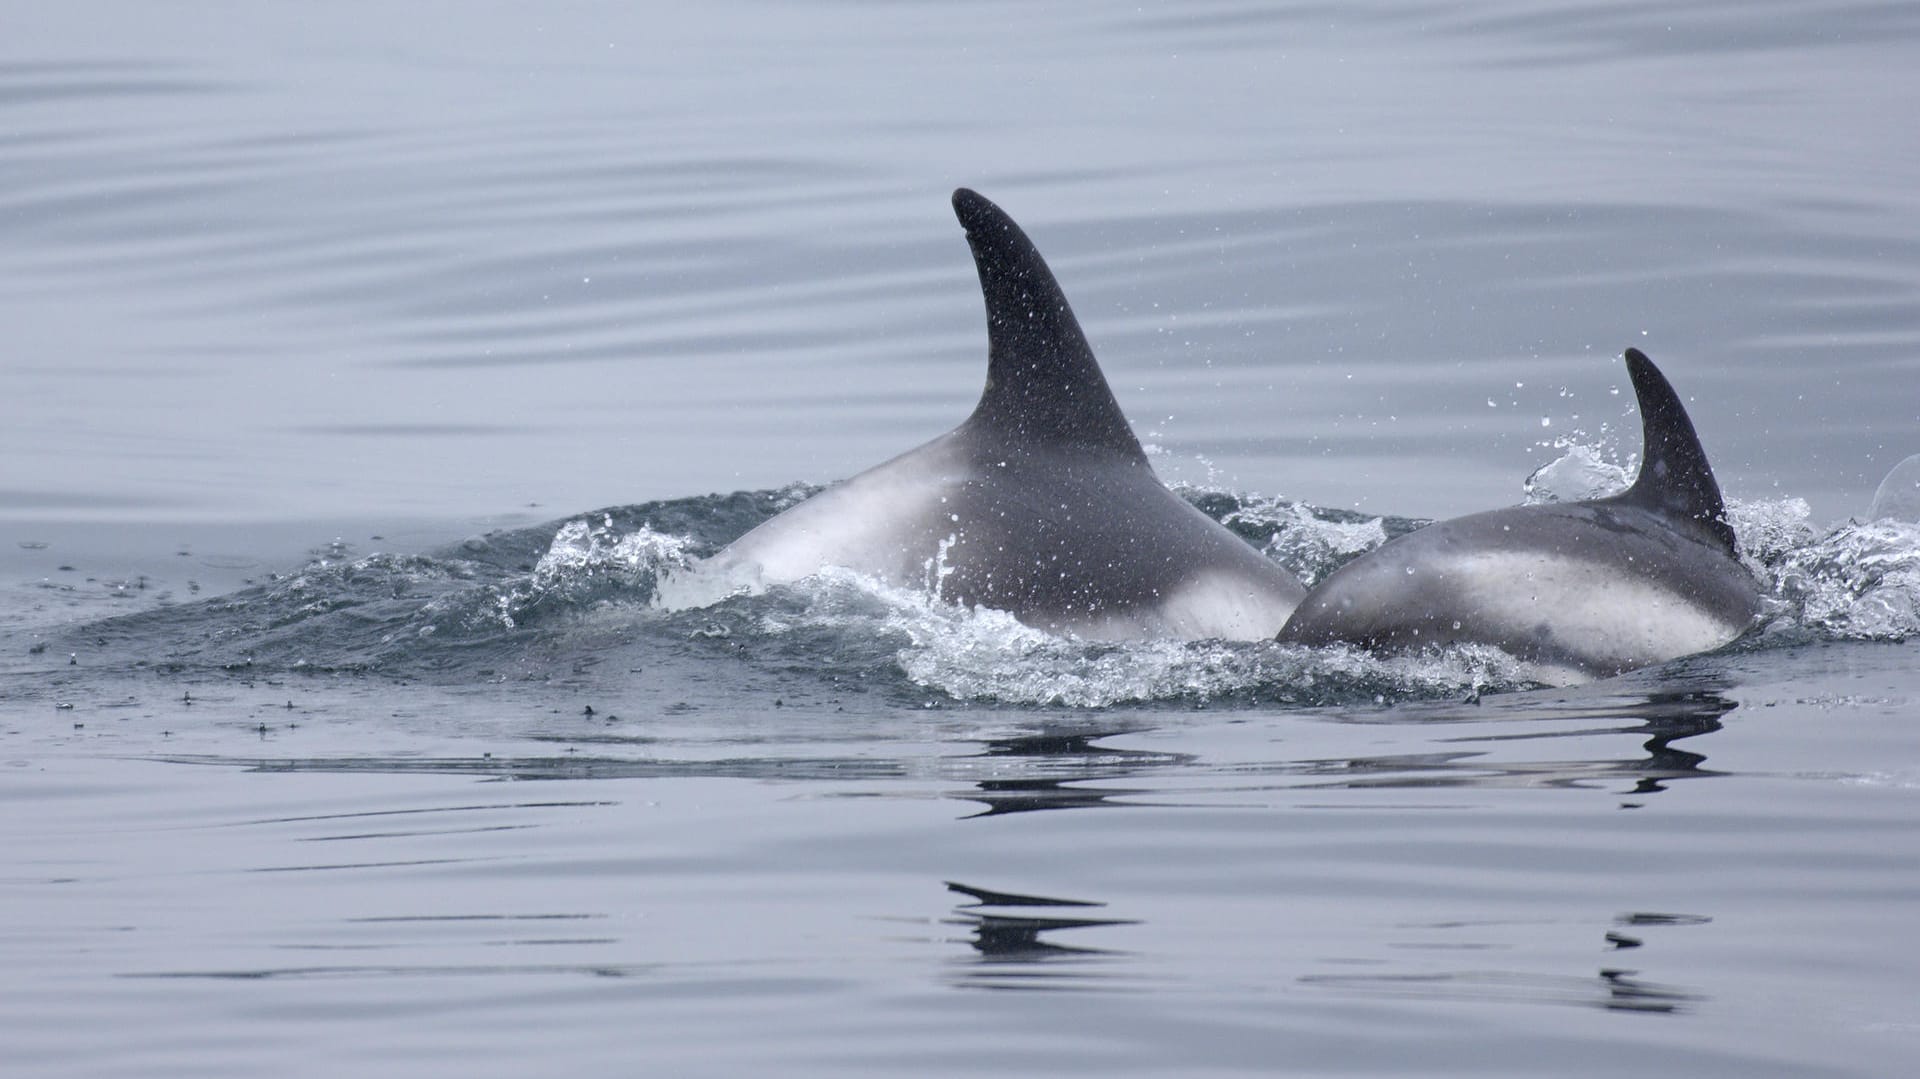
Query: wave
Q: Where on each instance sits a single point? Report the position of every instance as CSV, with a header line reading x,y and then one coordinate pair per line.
x,y
619,583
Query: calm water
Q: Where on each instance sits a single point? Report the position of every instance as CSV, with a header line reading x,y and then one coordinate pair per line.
x,y
337,728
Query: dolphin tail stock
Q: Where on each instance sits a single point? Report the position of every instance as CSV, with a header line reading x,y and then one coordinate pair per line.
x,y
1674,475
1044,387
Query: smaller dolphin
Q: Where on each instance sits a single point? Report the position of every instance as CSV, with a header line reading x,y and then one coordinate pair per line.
x,y
1578,590
1041,503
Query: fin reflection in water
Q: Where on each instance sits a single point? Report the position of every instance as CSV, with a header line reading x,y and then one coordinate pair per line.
x,y
1054,764
1012,952
1611,988
1663,717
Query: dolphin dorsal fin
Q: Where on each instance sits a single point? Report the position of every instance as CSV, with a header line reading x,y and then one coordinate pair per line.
x,y
1674,475
1044,388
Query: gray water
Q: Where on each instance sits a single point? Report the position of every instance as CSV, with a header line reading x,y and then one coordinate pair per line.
x,y
365,368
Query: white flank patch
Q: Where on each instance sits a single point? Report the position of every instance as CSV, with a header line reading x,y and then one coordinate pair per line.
x,y
1223,605
1593,609
869,524
865,524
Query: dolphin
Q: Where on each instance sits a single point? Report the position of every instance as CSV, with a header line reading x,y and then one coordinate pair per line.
x,y
1041,504
1578,590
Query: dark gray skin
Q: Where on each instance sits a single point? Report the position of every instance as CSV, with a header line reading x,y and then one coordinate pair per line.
x,y
1041,503
1581,590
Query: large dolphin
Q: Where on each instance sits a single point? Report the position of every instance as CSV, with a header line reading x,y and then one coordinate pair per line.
x,y
1579,590
1041,503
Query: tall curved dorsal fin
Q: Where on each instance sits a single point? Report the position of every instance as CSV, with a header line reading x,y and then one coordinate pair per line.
x,y
1674,475
1044,388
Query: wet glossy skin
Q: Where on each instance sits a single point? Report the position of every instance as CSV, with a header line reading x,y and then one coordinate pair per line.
x,y
1041,503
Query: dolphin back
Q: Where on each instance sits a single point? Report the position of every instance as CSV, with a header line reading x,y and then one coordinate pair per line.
x,y
1044,388
1675,478
1040,503
1578,590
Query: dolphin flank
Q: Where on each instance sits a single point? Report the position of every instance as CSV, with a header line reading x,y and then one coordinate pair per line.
x,y
1041,503
1579,590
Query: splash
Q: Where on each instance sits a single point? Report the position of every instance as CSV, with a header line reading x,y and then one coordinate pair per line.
x,y
1313,546
980,654
629,577
1852,581
1769,531
586,562
1859,581
1582,472
1309,541
989,659
1898,496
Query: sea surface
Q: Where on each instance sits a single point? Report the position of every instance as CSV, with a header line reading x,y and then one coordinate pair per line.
x,y
365,369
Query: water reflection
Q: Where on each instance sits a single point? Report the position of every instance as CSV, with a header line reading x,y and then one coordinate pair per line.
x,y
1610,988
1434,746
1052,765
403,970
582,766
1613,990
1076,769
1664,717
1664,762
1010,951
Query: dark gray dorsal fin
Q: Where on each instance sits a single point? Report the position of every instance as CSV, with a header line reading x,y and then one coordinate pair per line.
x,y
1044,387
1674,475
